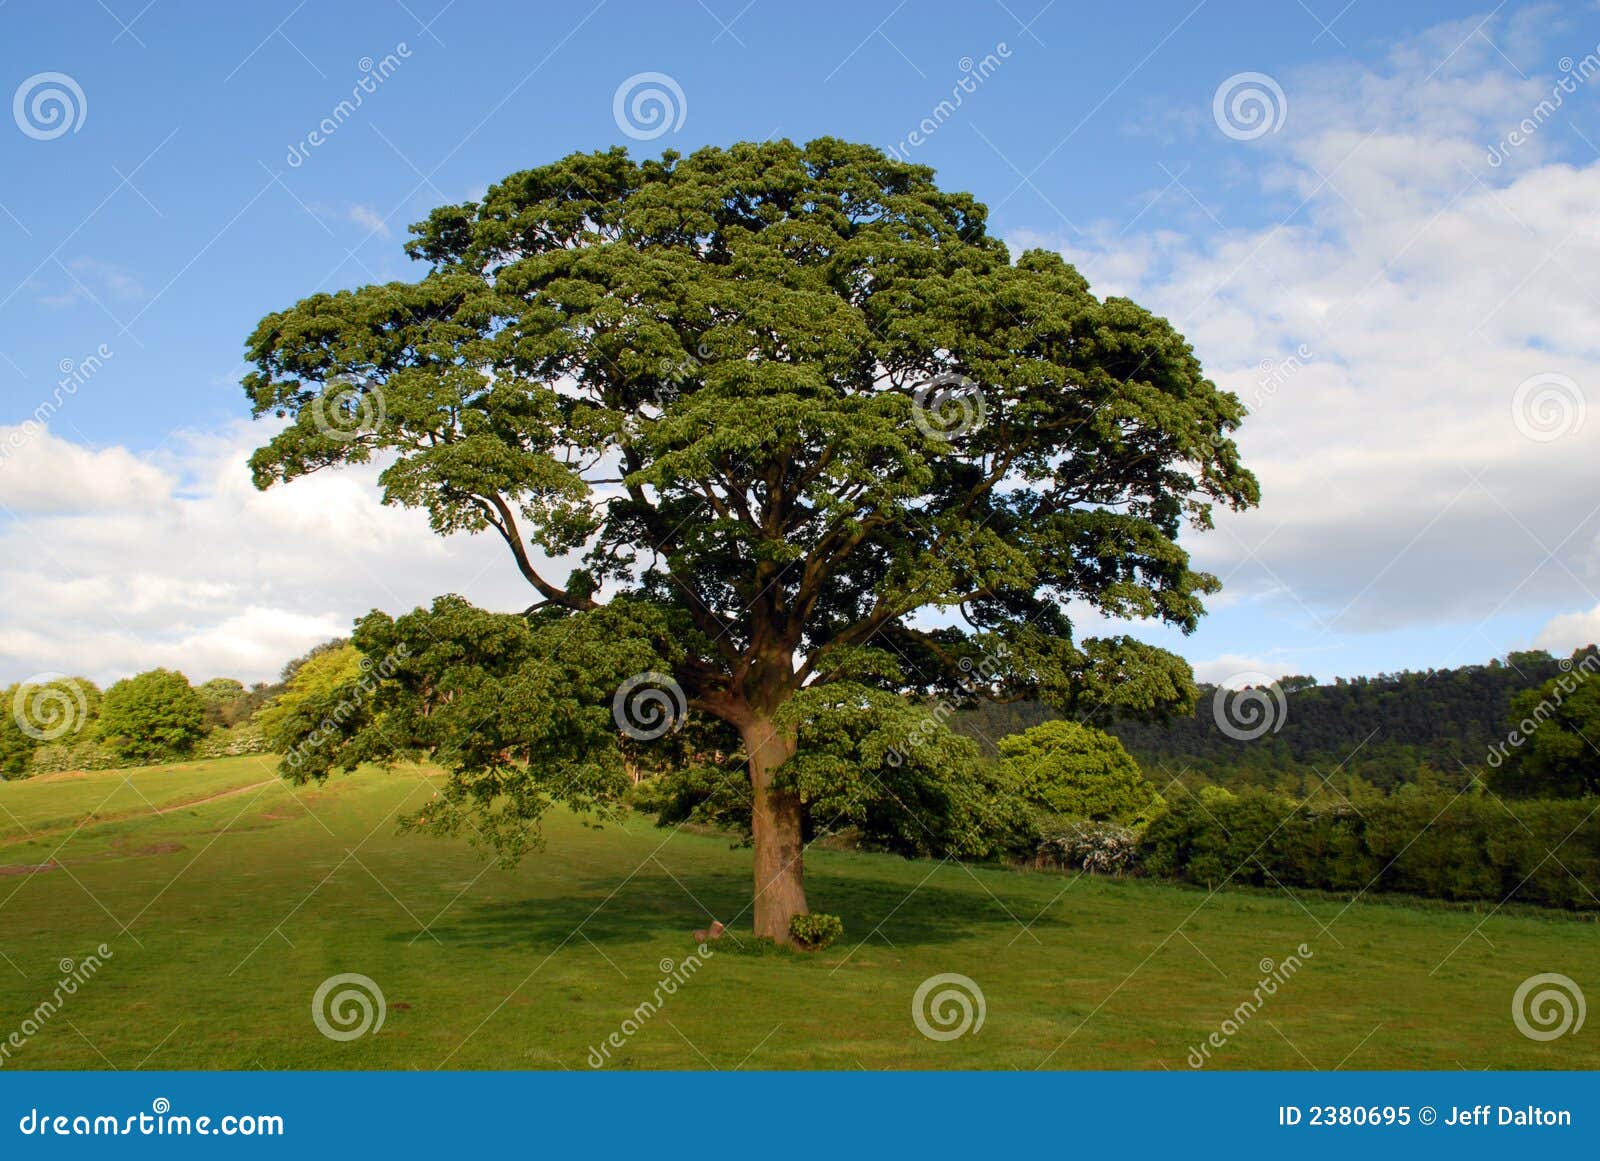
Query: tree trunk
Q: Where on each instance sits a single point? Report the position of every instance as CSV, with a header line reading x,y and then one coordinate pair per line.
x,y
776,826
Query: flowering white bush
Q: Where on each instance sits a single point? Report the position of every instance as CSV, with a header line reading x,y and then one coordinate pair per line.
x,y
1101,847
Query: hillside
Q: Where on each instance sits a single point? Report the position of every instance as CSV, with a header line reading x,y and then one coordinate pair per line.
x,y
1381,729
228,899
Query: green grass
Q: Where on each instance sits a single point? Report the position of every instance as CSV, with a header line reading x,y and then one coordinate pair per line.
x,y
224,915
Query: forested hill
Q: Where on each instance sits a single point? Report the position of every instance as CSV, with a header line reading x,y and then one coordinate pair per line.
x,y
1381,729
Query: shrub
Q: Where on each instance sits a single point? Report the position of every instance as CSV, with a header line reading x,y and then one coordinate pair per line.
x,y
816,930
1100,847
54,758
230,743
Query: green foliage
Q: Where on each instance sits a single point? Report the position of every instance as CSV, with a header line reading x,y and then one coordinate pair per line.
x,y
1549,751
318,690
227,701
85,754
1380,730
518,709
1078,771
869,765
1458,847
768,344
220,690
152,716
234,741
50,713
816,930
896,776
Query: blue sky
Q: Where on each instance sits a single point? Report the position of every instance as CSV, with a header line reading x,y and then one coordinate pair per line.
x,y
1363,273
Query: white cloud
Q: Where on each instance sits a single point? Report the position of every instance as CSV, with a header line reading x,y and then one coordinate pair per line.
x,y
368,219
114,562
1235,670
1570,631
1424,285
88,279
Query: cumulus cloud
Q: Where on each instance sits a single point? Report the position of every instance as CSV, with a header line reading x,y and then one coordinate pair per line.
x,y
1414,334
1570,631
113,562
1410,318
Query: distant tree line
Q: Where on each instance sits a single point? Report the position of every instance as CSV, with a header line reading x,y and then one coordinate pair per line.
x,y
70,723
1383,731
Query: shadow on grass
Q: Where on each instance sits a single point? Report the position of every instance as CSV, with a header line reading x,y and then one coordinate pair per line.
x,y
647,908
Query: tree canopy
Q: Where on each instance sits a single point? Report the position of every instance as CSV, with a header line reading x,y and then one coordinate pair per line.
x,y
1076,770
780,400
1552,743
154,715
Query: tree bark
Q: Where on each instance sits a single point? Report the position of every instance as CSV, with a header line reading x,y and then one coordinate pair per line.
x,y
776,827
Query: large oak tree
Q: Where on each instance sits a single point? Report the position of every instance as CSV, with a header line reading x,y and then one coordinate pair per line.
x,y
776,401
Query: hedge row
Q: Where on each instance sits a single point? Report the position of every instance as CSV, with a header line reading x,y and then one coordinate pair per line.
x,y
55,758
1472,847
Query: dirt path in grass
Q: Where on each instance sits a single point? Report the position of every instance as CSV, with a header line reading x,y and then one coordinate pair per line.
x,y
121,816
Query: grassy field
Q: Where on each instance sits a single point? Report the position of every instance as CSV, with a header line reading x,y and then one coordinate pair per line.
x,y
226,897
